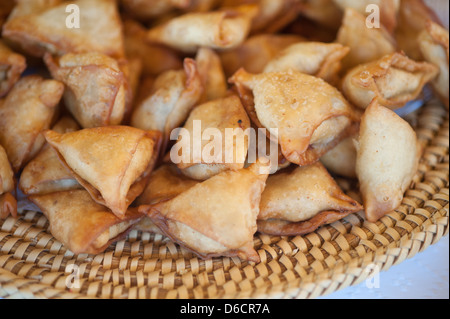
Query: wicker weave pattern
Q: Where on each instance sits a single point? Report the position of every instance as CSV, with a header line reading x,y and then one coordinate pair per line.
x,y
35,265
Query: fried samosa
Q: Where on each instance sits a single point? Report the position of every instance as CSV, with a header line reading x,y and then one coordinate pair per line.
x,y
412,20
11,67
322,60
165,183
366,45
173,95
27,110
45,173
221,224
45,26
306,115
224,29
221,136
387,159
81,224
300,200
96,87
112,163
211,72
393,80
341,160
8,203
155,58
272,16
434,47
324,12
254,54
148,9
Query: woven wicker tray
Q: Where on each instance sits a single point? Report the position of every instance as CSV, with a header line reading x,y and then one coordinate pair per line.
x,y
35,265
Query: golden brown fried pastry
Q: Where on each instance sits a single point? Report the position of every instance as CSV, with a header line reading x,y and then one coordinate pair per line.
x,y
393,80
220,224
8,203
272,16
173,95
412,20
254,54
388,10
96,88
42,26
147,9
81,224
306,115
365,44
387,160
155,58
222,139
6,6
300,200
202,5
224,29
324,12
165,183
26,111
322,60
212,75
434,47
341,160
11,67
45,173
113,163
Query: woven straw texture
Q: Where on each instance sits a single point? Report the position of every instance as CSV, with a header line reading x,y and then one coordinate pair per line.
x,y
35,265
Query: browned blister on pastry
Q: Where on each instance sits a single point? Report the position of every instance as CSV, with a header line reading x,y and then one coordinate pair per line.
x,y
45,26
305,114
223,139
322,60
300,200
113,163
434,47
388,156
254,54
8,203
365,44
221,224
224,29
45,173
412,20
81,224
96,88
173,95
386,10
11,67
25,113
393,80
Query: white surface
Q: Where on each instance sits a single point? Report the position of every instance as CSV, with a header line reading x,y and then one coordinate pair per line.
x,y
425,276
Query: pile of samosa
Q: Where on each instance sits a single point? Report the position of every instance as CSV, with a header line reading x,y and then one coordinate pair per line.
x,y
89,110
